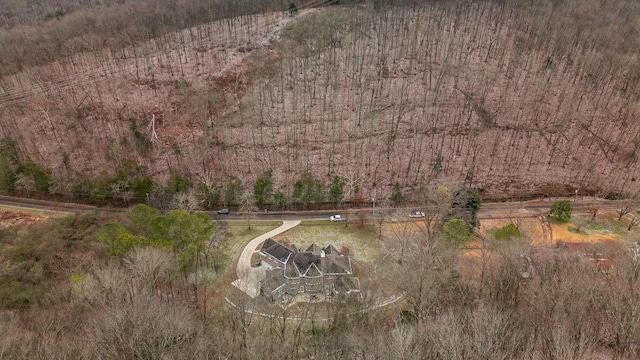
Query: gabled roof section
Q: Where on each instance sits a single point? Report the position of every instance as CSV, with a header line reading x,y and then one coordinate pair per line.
x,y
331,250
337,265
303,260
273,280
276,250
268,243
291,270
313,271
314,249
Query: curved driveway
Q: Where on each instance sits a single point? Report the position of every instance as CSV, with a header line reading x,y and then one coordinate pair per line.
x,y
249,277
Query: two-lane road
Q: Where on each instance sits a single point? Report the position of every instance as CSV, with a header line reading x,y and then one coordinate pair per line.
x,y
531,208
36,204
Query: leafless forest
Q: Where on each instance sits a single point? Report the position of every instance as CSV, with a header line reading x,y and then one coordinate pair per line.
x,y
511,98
62,297
514,98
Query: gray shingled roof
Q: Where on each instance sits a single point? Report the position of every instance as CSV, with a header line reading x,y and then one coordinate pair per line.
x,y
313,271
331,250
336,265
276,250
314,249
291,270
274,280
314,262
304,259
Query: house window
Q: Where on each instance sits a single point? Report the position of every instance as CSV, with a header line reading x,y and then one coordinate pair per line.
x,y
327,290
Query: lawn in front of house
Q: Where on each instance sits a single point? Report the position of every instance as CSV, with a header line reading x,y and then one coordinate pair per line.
x,y
238,236
361,243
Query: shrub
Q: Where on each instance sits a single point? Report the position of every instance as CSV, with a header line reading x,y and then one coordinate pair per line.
x,y
293,9
561,209
465,205
263,189
457,231
7,175
141,187
41,176
178,183
396,195
508,232
308,190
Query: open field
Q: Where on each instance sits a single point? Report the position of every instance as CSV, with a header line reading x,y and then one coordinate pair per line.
x,y
361,243
604,228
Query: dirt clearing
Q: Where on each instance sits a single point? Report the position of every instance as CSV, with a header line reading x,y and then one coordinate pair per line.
x,y
14,218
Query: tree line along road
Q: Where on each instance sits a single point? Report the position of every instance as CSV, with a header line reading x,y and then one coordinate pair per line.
x,y
532,208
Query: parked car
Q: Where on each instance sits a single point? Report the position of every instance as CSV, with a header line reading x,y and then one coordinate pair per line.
x,y
223,211
416,214
336,218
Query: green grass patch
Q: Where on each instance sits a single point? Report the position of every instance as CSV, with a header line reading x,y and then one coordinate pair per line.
x,y
607,228
242,231
585,226
242,224
575,230
320,222
238,237
555,221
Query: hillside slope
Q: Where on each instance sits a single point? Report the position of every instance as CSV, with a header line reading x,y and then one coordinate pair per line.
x,y
514,100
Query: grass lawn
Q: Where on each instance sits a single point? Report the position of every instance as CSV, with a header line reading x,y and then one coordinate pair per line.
x,y
240,235
361,243
580,228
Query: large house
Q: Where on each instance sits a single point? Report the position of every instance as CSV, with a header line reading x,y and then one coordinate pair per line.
x,y
323,273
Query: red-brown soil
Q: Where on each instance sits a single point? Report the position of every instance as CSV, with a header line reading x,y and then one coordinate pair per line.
x,y
10,218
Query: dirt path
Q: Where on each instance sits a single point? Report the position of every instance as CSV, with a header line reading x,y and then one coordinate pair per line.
x,y
248,277
546,229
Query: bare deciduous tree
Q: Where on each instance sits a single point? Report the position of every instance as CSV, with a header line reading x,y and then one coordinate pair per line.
x,y
145,328
247,207
155,269
185,201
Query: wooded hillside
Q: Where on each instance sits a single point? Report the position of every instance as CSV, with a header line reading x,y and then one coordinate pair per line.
x,y
513,99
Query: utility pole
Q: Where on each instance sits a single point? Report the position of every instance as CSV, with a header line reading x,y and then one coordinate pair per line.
x,y
373,200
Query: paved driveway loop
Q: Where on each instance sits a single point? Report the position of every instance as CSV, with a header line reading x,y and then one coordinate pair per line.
x,y
248,277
